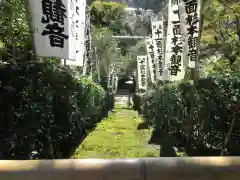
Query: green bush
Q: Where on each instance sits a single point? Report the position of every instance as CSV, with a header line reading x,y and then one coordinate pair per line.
x,y
45,111
216,102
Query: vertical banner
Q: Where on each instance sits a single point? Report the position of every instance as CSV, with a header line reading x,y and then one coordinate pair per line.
x,y
93,61
142,72
81,11
151,59
174,51
158,44
88,46
97,64
80,6
115,82
190,11
110,76
53,31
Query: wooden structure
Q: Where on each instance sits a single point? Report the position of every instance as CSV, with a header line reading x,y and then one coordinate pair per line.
x,y
125,88
187,168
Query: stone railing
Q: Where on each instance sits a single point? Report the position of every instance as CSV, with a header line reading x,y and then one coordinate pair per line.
x,y
188,168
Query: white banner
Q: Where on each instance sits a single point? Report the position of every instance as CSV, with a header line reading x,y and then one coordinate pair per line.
x,y
158,44
80,10
53,22
115,81
174,54
157,29
142,72
151,59
111,69
97,64
190,27
88,48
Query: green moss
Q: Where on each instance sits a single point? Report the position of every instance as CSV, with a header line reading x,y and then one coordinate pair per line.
x,y
117,137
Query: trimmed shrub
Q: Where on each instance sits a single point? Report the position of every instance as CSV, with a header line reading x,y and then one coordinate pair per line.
x,y
45,110
216,103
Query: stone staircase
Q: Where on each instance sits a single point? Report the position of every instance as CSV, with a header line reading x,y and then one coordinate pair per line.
x,y
121,97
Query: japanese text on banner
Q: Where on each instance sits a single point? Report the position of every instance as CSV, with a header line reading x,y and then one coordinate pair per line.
x,y
174,51
190,26
151,59
158,44
142,72
51,21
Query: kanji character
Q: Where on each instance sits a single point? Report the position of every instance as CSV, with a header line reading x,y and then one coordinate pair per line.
x,y
54,11
158,32
176,28
55,34
190,6
192,42
174,69
192,19
192,29
174,40
176,49
176,59
192,54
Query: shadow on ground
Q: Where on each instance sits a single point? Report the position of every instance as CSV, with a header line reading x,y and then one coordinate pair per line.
x,y
167,144
172,145
143,125
69,146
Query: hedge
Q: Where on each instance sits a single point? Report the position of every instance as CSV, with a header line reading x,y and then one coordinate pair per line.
x,y
216,103
45,110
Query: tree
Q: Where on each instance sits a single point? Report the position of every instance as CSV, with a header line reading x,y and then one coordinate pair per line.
x,y
107,48
15,41
108,14
156,5
129,61
221,31
139,22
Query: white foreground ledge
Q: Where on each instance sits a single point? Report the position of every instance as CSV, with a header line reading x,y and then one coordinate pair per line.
x,y
187,168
